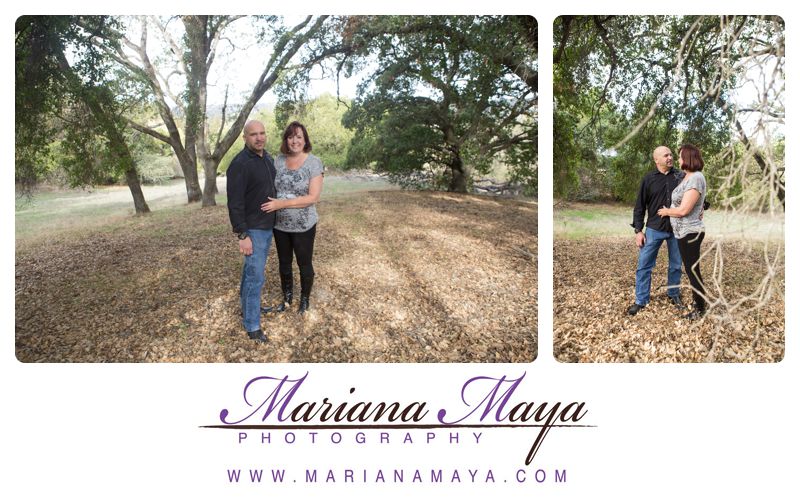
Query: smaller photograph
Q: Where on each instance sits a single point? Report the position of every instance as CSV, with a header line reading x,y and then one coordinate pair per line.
x,y
669,189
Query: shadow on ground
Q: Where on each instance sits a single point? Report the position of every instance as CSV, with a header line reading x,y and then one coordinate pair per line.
x,y
401,277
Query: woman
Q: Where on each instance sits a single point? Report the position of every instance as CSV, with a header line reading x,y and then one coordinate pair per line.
x,y
299,184
687,222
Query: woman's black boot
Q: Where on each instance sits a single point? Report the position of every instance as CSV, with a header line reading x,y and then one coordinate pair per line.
x,y
698,312
287,287
306,282
303,304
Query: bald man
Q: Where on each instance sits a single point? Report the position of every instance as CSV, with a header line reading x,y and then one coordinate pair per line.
x,y
251,181
655,192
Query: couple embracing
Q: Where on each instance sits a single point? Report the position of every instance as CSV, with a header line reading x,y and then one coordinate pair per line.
x,y
680,225
274,199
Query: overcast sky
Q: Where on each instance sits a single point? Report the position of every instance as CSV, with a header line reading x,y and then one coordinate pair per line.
x,y
239,69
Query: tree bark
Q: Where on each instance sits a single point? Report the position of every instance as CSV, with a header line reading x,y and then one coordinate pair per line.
x,y
193,191
210,187
197,41
139,203
123,154
458,182
200,33
458,178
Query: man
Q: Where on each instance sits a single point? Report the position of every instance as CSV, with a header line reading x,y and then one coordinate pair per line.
x,y
655,192
251,180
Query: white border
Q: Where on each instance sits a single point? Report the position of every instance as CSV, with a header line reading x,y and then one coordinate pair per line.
x,y
718,430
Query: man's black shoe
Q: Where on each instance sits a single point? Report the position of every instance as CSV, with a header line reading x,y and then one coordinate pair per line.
x,y
676,300
634,309
257,335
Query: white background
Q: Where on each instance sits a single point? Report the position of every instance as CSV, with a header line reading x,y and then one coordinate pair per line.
x,y
133,429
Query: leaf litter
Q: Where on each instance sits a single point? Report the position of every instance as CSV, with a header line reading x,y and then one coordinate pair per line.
x,y
593,285
401,277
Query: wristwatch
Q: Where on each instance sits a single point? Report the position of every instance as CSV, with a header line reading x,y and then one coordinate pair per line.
x,y
242,235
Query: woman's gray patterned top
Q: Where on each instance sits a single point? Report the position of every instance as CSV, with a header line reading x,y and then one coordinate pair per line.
x,y
691,223
294,183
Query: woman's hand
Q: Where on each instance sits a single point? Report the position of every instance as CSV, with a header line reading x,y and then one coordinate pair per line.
x,y
689,199
273,205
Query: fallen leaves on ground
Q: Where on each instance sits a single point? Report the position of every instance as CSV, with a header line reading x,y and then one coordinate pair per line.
x,y
401,277
594,285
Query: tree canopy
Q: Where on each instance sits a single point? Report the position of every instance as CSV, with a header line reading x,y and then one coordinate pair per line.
x,y
447,97
625,84
65,86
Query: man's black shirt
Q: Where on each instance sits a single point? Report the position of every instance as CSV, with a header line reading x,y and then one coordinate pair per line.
x,y
251,179
655,192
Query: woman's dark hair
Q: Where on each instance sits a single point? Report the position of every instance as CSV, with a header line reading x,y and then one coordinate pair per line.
x,y
691,158
291,130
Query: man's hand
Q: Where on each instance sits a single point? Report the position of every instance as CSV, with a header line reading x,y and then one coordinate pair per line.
x,y
246,246
640,240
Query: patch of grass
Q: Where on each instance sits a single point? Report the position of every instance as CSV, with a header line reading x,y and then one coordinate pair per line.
x,y
580,220
586,215
51,214
337,185
33,223
588,220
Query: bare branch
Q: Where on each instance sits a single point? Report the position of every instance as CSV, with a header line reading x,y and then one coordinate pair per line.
x,y
149,131
222,122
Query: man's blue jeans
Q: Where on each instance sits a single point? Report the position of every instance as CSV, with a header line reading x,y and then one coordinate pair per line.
x,y
253,279
647,260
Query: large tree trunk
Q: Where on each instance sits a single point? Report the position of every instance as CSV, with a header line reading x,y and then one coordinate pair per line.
x,y
210,187
123,155
196,73
192,180
132,178
201,33
190,169
458,180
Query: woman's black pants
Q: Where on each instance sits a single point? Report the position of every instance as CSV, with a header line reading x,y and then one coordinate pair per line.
x,y
301,245
689,247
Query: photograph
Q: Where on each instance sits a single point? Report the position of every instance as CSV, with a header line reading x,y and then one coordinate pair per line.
x,y
276,189
668,188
